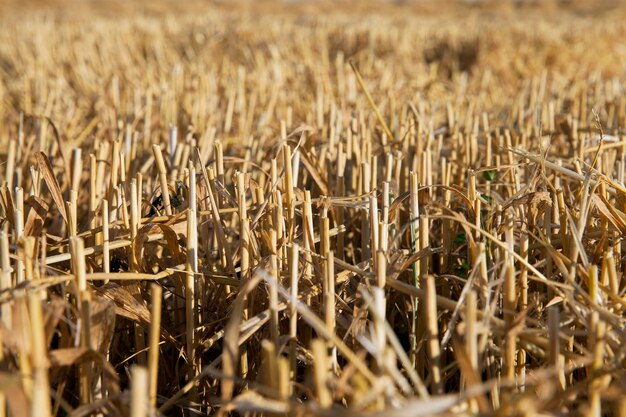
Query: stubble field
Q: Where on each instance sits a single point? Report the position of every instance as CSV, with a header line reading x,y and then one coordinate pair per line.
x,y
312,208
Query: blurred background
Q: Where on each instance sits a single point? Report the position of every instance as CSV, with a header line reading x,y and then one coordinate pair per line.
x,y
69,8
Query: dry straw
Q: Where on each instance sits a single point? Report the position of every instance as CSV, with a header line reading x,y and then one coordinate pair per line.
x,y
393,213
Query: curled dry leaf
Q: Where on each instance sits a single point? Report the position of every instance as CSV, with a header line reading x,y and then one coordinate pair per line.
x,y
126,305
170,236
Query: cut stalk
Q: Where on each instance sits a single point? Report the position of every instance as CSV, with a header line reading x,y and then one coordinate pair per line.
x,y
155,337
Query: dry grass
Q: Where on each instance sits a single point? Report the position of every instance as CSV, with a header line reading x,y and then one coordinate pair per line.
x,y
272,210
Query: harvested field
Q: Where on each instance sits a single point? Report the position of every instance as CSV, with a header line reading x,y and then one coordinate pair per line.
x,y
407,208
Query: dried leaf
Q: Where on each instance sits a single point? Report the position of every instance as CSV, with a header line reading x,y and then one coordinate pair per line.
x,y
310,167
37,212
472,377
126,305
102,323
8,206
18,403
53,186
232,332
609,213
180,227
53,312
554,301
76,356
170,237
17,339
396,206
